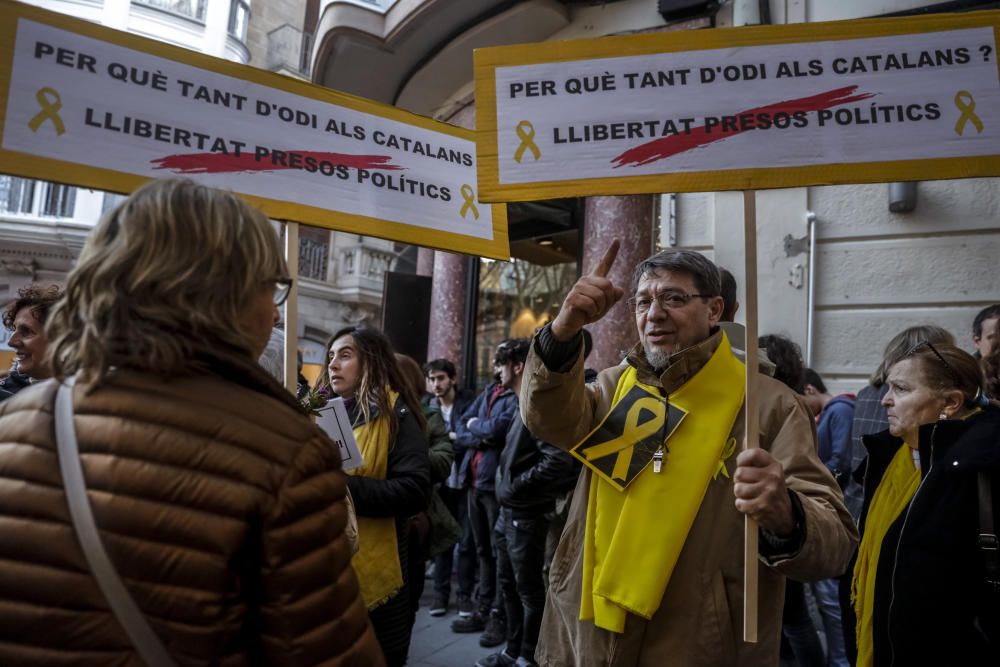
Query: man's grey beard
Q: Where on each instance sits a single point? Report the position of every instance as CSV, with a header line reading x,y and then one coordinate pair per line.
x,y
657,358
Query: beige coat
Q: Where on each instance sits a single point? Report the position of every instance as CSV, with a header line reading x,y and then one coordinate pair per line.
x,y
220,505
700,619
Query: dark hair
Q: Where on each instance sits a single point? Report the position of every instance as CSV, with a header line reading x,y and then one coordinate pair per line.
x,y
987,313
440,365
379,371
991,371
728,293
704,272
813,378
588,343
787,359
945,367
511,351
35,297
411,373
904,342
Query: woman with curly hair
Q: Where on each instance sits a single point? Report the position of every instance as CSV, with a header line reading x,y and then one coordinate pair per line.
x,y
25,318
393,483
218,504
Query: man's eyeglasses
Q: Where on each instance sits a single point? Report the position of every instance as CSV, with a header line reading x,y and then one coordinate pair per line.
x,y
282,288
667,299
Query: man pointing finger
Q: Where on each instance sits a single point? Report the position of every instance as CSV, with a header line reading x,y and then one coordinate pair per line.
x,y
649,570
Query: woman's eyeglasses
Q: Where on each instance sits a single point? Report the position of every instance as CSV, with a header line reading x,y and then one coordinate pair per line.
x,y
930,346
282,288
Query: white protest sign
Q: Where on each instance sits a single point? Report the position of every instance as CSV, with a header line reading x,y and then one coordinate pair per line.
x,y
741,108
335,423
90,106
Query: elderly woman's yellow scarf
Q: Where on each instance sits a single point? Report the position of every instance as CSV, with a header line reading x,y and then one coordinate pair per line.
x,y
377,560
891,499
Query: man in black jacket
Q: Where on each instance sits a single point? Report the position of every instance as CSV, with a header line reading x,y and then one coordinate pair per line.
x,y
531,475
453,402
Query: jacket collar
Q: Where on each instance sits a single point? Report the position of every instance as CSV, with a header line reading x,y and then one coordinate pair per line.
x,y
683,365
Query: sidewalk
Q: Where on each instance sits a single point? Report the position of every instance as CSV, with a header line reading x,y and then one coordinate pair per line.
x,y
435,645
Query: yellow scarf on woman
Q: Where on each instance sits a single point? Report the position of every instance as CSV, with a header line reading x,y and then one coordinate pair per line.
x,y
891,499
377,560
634,537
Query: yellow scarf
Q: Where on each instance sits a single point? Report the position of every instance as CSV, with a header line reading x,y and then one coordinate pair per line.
x,y
891,499
377,560
631,544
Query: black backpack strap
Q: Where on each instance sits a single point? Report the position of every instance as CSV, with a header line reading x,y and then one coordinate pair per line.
x,y
989,544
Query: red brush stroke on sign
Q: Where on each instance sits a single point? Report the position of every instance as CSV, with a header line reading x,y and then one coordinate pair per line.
x,y
217,163
659,149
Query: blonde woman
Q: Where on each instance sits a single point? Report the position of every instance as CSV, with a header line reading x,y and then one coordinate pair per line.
x,y
219,504
394,482
921,589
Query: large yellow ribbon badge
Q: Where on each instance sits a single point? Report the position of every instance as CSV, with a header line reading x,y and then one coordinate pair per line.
x,y
50,102
469,202
625,442
526,133
966,103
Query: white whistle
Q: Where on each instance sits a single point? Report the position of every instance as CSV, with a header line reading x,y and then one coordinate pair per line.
x,y
658,460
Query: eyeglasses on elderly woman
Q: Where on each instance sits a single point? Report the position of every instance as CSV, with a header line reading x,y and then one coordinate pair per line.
x,y
282,288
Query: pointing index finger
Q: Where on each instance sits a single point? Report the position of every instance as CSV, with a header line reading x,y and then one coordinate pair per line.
x,y
604,266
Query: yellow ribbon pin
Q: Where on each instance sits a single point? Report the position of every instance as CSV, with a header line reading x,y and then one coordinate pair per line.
x,y
727,451
967,105
51,103
526,133
469,195
633,433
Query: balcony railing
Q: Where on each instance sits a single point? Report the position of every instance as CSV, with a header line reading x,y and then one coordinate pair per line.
x,y
314,256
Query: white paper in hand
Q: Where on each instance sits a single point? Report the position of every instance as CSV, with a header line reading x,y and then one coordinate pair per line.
x,y
333,420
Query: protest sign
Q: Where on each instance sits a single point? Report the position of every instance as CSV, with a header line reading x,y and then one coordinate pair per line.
x,y
741,108
95,107
335,423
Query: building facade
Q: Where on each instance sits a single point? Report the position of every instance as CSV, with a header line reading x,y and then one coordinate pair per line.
x,y
839,271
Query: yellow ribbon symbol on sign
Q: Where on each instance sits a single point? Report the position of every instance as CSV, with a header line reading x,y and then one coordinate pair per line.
x,y
526,133
51,103
632,433
967,105
469,195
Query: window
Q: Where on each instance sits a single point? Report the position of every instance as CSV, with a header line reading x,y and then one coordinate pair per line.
x,y
16,194
58,200
239,19
194,9
516,298
314,252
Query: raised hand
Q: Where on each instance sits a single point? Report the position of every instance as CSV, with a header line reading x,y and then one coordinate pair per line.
x,y
590,298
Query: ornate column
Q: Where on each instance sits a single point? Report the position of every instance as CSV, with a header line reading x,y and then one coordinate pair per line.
x,y
629,219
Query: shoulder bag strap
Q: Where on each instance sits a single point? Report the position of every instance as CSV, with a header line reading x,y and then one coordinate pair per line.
x,y
146,643
989,545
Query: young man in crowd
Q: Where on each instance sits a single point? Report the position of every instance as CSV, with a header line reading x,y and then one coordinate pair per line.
x,y
531,476
452,401
481,434
653,549
986,330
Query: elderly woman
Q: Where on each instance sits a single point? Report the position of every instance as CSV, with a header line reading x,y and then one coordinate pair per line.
x,y
219,504
394,482
921,591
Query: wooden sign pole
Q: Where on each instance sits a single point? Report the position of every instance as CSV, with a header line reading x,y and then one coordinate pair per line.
x,y
750,566
291,314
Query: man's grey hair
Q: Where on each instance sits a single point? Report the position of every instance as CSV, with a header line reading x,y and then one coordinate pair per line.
x,y
700,268
272,359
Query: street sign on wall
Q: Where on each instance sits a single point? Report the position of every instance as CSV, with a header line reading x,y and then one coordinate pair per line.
x,y
95,107
741,108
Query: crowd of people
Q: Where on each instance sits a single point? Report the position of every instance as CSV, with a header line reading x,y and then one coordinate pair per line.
x,y
580,518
